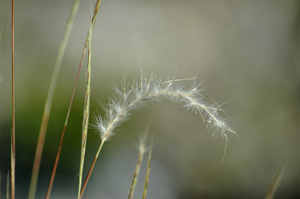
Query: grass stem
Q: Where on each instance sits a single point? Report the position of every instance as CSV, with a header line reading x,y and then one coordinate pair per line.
x,y
13,144
276,180
142,150
7,186
74,89
148,171
91,168
86,113
137,170
49,100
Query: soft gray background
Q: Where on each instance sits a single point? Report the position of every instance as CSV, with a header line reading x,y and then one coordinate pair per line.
x,y
247,53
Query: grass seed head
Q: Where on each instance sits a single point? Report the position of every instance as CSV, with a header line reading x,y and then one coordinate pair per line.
x,y
133,95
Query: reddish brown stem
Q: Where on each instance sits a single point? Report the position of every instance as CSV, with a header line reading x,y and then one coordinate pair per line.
x,y
91,168
65,126
13,147
88,177
74,89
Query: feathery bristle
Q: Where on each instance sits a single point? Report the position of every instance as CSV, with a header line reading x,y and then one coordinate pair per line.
x,y
132,95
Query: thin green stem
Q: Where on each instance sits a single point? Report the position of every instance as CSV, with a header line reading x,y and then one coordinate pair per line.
x,y
142,149
136,171
87,99
276,180
74,89
7,186
49,100
13,142
86,112
148,172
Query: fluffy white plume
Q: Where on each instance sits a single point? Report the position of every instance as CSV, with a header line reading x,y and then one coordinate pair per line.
x,y
132,95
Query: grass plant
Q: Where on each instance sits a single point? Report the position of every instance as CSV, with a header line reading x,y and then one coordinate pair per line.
x,y
127,98
133,95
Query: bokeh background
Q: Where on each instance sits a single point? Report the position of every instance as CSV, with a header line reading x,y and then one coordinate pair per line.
x,y
246,52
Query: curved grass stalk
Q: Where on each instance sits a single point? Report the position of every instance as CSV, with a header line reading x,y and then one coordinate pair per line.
x,y
132,96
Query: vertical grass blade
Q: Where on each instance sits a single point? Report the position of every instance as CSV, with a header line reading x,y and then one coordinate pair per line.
x,y
148,172
86,112
276,180
142,149
1,31
74,89
13,141
137,170
73,94
7,186
49,100
48,105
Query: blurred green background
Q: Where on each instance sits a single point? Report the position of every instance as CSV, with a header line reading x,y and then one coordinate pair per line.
x,y
247,53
